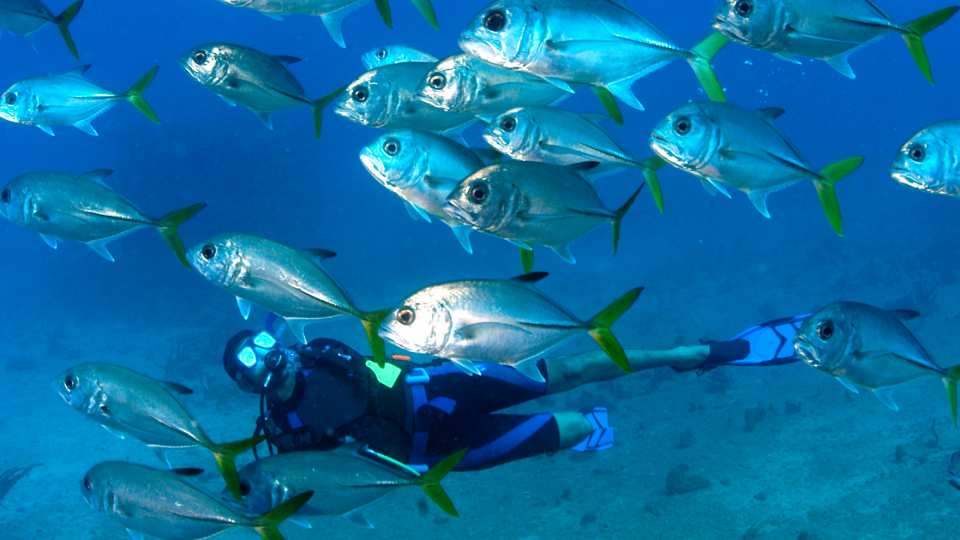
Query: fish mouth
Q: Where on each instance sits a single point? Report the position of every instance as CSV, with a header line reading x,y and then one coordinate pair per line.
x,y
373,165
907,178
806,352
432,100
495,138
663,147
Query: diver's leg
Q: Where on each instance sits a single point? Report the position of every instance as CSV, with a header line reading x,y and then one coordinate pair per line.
x,y
567,372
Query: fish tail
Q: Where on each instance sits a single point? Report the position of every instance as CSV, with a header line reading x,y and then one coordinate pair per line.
x,y
226,454
950,379
425,7
319,105
917,28
600,327
63,21
383,6
609,103
618,216
650,166
135,94
371,325
827,188
267,525
700,58
429,482
169,226
526,260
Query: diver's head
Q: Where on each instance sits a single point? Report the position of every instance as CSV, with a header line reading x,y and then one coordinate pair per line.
x,y
257,362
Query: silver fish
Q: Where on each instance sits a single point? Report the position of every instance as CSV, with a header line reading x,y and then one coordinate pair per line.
x,y
534,204
500,321
254,79
559,137
930,160
128,403
163,505
865,346
386,97
343,480
463,83
286,281
601,43
394,54
422,168
828,30
68,99
726,145
25,17
62,206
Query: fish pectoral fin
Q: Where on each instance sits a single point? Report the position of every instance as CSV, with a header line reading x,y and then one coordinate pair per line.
x,y
100,248
714,188
885,396
162,456
115,432
841,63
848,385
520,244
51,241
228,101
244,306
562,85
46,129
474,331
467,366
87,127
462,233
417,212
564,253
793,59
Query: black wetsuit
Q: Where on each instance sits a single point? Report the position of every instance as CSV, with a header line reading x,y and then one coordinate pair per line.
x,y
428,413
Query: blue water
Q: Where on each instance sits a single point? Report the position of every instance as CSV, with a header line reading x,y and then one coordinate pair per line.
x,y
711,266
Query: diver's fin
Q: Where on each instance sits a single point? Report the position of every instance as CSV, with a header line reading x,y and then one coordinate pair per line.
x,y
841,63
530,369
228,101
169,228
63,21
827,188
700,61
225,455
599,327
51,241
425,7
885,395
759,200
463,236
357,517
916,29
244,306
848,385
46,129
609,102
429,482
100,248
602,436
267,525
135,94
265,118
87,127
467,366
526,259
623,90
564,253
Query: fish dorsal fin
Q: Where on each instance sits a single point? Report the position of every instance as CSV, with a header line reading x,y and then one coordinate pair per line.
x,y
530,277
320,254
284,59
187,471
584,166
79,70
98,176
178,388
906,314
771,113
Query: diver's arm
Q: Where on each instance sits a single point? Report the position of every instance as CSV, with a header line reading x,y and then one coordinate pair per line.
x,y
568,372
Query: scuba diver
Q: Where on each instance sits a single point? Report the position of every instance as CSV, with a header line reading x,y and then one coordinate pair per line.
x,y
324,394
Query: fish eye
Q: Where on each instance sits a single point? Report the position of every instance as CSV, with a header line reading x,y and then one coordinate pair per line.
x,y
10,98
682,125
825,330
744,8
87,484
437,81
508,124
104,409
406,316
495,20
479,192
917,152
5,196
391,147
208,251
244,485
381,53
200,57
70,382
360,94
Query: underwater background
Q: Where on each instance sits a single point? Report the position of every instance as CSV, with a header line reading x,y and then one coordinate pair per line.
x,y
782,452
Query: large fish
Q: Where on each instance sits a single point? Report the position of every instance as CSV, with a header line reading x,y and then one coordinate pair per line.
x,y
62,206
930,160
128,403
162,504
394,54
422,168
386,97
863,346
254,79
534,204
463,83
504,321
286,281
726,145
25,17
331,12
343,480
600,43
68,99
559,137
828,30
